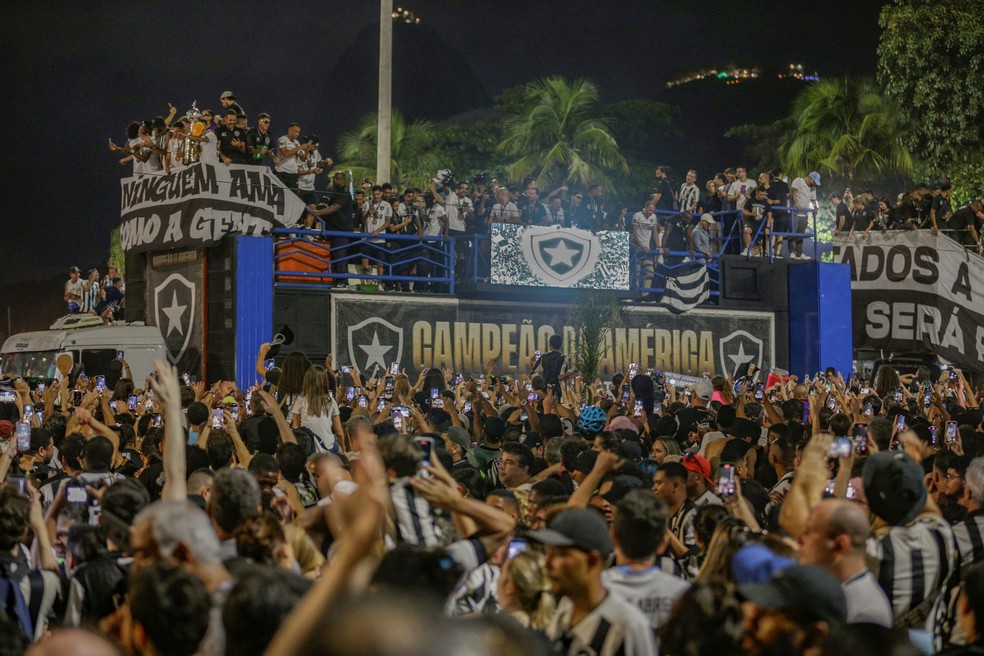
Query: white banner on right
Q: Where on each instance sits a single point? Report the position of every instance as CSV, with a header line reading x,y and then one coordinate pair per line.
x,y
915,291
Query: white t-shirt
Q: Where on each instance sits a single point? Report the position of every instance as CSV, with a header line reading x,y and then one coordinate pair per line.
x,y
805,194
75,287
287,164
507,213
456,208
433,226
378,216
652,590
175,152
642,230
743,190
210,147
306,182
136,147
320,425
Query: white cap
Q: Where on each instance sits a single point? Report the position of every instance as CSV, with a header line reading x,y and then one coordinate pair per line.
x,y
707,216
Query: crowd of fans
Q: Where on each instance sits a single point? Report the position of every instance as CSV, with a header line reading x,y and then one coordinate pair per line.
x,y
102,297
731,212
329,510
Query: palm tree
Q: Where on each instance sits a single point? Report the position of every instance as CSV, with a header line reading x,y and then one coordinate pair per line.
x,y
847,128
414,160
559,137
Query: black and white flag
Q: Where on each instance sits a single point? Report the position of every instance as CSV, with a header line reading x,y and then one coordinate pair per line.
x,y
686,289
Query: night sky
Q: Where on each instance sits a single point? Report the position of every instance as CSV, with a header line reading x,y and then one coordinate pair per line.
x,y
77,74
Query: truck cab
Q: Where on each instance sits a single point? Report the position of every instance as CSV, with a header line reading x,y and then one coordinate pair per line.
x,y
32,355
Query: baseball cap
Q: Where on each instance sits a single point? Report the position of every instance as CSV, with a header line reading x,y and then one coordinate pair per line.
x,y
459,436
893,483
816,177
495,428
699,465
703,390
707,216
744,429
622,485
585,461
531,439
6,429
577,527
629,450
227,94
623,423
756,563
810,590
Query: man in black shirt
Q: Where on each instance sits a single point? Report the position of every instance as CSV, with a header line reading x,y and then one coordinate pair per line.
x,y
663,194
340,219
259,142
755,212
842,222
778,196
228,101
966,224
590,215
232,140
552,364
941,210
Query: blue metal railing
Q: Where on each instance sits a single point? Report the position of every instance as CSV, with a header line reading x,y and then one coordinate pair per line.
x,y
401,258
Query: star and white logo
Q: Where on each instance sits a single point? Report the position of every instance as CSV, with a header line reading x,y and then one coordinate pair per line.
x,y
560,257
174,313
738,350
374,342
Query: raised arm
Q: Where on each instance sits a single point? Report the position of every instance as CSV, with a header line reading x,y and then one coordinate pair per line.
x,y
168,392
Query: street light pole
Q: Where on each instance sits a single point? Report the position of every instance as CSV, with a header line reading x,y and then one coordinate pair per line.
x,y
384,128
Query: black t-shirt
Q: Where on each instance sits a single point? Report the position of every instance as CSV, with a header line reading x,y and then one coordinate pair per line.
x,y
844,220
153,479
687,420
550,365
778,190
861,219
665,190
941,204
761,208
226,136
256,140
533,214
676,240
343,219
589,216
961,220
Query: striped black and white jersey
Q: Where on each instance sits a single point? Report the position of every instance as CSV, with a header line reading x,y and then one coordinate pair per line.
x,y
413,517
682,524
477,593
914,563
613,627
969,537
652,590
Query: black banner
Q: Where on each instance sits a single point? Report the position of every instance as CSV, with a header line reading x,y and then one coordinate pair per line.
x,y
914,291
174,304
199,205
462,335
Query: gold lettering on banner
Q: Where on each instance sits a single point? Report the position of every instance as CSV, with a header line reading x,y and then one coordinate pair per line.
x,y
663,349
422,353
706,352
466,347
527,344
491,343
508,346
442,346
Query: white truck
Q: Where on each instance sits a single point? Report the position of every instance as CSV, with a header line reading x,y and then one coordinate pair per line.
x,y
32,355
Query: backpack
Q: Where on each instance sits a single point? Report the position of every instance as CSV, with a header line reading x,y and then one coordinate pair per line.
x,y
13,604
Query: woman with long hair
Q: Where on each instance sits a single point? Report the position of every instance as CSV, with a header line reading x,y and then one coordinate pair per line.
x,y
295,367
316,410
522,590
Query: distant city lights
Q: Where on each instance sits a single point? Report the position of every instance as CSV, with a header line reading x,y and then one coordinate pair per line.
x,y
734,75
405,15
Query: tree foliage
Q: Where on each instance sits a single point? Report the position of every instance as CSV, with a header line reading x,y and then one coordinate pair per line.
x,y
848,128
414,160
595,315
762,142
931,62
559,137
